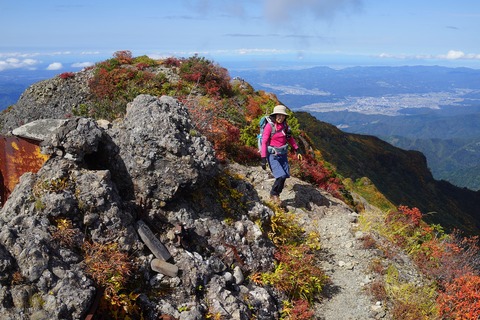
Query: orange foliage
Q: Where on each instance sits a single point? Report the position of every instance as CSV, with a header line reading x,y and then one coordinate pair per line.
x,y
301,311
461,299
413,215
123,57
253,109
452,261
224,135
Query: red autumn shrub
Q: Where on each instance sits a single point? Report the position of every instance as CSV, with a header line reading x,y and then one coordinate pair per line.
x,y
405,215
118,82
66,75
123,57
142,66
225,136
253,109
311,170
405,220
214,79
172,62
449,258
301,311
413,215
461,298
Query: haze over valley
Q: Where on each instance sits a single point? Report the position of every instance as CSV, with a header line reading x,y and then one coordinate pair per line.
x,y
435,110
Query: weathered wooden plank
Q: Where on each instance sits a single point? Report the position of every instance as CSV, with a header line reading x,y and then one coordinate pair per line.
x,y
152,242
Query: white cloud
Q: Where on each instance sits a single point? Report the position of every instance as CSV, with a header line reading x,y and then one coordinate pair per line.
x,y
55,66
82,64
451,55
457,55
61,53
17,55
259,51
15,63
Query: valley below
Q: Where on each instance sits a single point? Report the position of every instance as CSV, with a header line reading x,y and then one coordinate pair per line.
x,y
434,110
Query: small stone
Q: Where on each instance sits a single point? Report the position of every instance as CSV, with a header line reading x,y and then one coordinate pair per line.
x,y
228,277
376,308
164,267
359,235
238,275
349,265
171,235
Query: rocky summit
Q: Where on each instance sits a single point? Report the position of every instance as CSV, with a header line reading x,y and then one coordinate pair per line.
x,y
149,186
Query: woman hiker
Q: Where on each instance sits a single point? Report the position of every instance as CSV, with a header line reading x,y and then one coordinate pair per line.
x,y
275,148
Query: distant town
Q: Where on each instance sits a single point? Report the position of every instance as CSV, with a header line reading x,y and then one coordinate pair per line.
x,y
389,105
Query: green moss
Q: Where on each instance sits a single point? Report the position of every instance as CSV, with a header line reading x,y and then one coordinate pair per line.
x,y
39,205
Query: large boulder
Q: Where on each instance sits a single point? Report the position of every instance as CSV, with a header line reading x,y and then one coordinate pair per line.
x,y
159,148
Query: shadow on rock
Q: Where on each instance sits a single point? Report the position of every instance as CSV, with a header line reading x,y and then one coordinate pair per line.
x,y
107,157
307,197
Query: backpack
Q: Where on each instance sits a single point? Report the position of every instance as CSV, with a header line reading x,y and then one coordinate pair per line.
x,y
262,123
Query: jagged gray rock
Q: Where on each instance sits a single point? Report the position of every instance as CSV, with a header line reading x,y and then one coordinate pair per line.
x,y
48,281
39,130
94,178
156,143
74,139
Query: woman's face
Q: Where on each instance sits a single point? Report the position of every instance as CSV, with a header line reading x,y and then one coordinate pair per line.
x,y
279,118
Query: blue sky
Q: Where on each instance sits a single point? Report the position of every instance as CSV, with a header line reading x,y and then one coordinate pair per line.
x,y
60,35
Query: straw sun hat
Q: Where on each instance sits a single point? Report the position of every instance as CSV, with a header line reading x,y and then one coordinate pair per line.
x,y
280,109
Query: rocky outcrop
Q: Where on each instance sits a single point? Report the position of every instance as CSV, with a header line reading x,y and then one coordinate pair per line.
x,y
48,99
159,148
150,166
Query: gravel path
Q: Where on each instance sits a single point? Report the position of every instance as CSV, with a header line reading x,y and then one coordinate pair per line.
x,y
342,257
347,265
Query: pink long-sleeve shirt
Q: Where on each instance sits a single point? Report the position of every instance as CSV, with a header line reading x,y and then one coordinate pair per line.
x,y
279,139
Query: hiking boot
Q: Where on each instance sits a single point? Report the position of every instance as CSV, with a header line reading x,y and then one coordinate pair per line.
x,y
276,200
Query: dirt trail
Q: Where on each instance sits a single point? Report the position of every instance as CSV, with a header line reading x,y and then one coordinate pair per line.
x,y
347,265
344,259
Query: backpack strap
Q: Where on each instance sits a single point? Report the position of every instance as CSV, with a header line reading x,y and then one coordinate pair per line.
x,y
272,124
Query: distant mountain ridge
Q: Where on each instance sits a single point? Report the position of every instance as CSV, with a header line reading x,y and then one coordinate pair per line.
x,y
362,81
445,129
402,176
454,160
